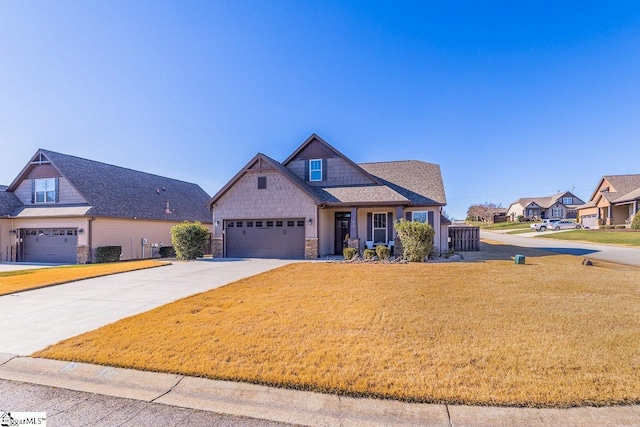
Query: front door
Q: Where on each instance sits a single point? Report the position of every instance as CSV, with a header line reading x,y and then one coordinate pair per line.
x,y
342,227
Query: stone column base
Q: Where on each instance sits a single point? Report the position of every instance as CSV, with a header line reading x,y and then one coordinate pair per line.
x,y
82,256
354,243
397,247
311,248
216,247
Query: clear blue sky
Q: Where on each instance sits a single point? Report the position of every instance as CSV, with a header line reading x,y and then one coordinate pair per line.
x,y
512,99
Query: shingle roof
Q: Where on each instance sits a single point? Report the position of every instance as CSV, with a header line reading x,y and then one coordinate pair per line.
x,y
8,201
623,186
114,191
362,194
418,181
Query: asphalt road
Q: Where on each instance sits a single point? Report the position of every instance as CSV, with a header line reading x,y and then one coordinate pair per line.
x,y
609,253
74,408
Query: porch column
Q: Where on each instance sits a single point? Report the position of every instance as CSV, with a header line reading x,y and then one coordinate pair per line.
x,y
609,215
397,246
354,240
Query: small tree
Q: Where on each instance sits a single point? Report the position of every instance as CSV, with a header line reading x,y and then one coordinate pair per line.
x,y
416,239
635,224
189,239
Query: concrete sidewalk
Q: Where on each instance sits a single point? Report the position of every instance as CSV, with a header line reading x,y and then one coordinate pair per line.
x,y
290,406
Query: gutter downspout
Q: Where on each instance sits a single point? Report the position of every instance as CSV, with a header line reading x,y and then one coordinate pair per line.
x,y
90,238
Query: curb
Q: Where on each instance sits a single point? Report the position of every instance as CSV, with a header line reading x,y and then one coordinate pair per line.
x,y
292,406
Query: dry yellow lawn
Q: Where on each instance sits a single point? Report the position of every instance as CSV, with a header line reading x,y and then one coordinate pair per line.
x,y
22,280
549,333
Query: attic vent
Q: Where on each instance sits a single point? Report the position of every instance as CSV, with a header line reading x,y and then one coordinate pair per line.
x,y
168,210
40,159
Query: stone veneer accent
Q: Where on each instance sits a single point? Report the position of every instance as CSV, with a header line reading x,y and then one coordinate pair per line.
x,y
397,247
82,254
216,247
354,243
311,248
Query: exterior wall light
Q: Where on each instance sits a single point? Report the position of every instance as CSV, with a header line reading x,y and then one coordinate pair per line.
x,y
80,230
310,221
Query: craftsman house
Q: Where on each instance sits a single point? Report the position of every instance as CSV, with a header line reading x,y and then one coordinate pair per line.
x,y
60,208
615,201
318,201
559,206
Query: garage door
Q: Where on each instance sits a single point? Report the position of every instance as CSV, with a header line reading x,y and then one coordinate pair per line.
x,y
272,238
589,221
55,245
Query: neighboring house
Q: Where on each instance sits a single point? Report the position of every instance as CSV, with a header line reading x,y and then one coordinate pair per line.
x,y
318,201
615,201
559,206
60,208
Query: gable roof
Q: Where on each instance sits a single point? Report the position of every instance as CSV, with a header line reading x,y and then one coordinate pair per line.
x,y
114,191
547,202
257,161
420,182
398,183
8,201
622,188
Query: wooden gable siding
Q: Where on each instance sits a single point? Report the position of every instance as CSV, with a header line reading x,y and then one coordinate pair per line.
x,y
44,171
260,166
316,150
337,172
67,194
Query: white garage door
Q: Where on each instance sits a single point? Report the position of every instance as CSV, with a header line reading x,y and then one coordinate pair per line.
x,y
589,221
265,238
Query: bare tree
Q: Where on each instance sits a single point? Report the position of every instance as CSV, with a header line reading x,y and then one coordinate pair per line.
x,y
483,212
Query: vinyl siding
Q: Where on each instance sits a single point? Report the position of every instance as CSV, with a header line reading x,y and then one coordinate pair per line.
x,y
66,193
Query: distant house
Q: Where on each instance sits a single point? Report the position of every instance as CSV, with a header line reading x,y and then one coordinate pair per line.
x,y
318,201
60,208
614,201
559,206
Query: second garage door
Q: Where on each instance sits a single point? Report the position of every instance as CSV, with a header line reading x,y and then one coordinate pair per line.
x,y
57,245
272,238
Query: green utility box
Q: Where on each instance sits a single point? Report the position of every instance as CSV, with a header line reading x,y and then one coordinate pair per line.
x,y
519,259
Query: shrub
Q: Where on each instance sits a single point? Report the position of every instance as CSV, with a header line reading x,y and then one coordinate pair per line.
x,y
635,224
369,253
189,239
620,226
167,252
108,254
416,239
349,253
383,252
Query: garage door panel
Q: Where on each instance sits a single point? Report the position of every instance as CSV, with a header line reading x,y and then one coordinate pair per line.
x,y
280,240
49,245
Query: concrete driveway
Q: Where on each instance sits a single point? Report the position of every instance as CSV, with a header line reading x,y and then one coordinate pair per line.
x,y
35,319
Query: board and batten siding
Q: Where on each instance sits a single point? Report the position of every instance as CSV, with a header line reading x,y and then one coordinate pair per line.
x,y
281,199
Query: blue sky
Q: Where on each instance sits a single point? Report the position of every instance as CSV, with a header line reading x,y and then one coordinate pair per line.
x,y
512,99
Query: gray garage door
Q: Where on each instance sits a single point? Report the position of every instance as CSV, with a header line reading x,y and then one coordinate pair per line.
x,y
56,245
272,238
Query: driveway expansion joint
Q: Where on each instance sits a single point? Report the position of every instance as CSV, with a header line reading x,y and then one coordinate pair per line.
x,y
168,391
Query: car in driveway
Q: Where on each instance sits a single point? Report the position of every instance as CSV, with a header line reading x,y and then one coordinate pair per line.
x,y
546,224
565,224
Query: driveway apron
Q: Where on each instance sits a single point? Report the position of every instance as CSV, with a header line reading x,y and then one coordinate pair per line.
x,y
33,320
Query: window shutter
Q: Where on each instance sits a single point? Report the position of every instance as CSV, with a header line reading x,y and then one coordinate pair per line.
x,y
369,226
306,170
33,191
390,226
57,190
430,219
324,169
407,216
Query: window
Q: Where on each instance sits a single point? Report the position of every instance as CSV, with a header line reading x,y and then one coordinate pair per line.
x,y
230,225
269,223
239,224
290,223
258,223
567,200
556,213
262,182
249,223
300,223
278,223
315,170
45,190
380,228
419,216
